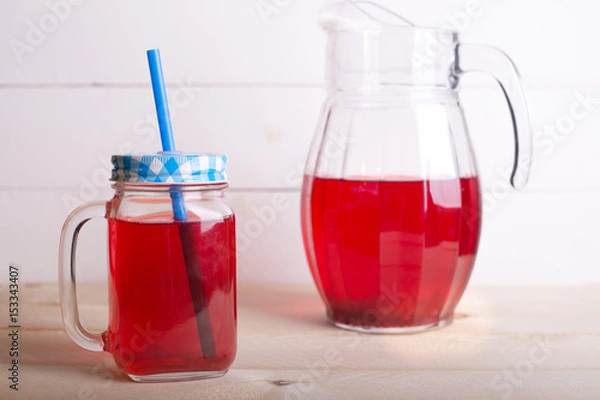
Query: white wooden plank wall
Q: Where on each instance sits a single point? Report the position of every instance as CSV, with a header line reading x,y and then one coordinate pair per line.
x,y
74,90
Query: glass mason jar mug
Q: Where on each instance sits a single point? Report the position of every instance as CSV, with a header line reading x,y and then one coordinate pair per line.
x,y
391,208
172,268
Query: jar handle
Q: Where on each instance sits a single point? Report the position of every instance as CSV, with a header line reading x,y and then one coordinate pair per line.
x,y
492,61
67,282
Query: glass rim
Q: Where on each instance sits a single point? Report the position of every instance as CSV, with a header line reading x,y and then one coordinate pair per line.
x,y
396,28
177,186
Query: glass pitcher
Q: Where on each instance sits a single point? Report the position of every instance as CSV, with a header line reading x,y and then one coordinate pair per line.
x,y
391,208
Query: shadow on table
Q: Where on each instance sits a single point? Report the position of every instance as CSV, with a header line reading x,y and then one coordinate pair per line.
x,y
281,308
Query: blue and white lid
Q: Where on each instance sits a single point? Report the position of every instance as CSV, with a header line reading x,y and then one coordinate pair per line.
x,y
169,167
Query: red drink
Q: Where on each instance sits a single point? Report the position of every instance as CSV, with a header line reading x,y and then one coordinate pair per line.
x,y
152,327
391,254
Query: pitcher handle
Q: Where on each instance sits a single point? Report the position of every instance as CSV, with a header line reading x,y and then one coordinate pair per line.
x,y
494,62
67,281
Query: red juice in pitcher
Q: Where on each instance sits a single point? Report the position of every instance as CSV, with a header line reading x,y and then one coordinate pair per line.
x,y
391,254
152,326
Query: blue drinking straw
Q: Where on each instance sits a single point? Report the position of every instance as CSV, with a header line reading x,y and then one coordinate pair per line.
x,y
164,122
186,231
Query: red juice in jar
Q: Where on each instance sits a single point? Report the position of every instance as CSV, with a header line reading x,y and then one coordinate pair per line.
x,y
391,254
152,326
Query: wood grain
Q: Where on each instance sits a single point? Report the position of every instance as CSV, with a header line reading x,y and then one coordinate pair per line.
x,y
546,340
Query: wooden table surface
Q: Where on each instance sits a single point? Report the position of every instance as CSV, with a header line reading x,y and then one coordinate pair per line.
x,y
505,343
